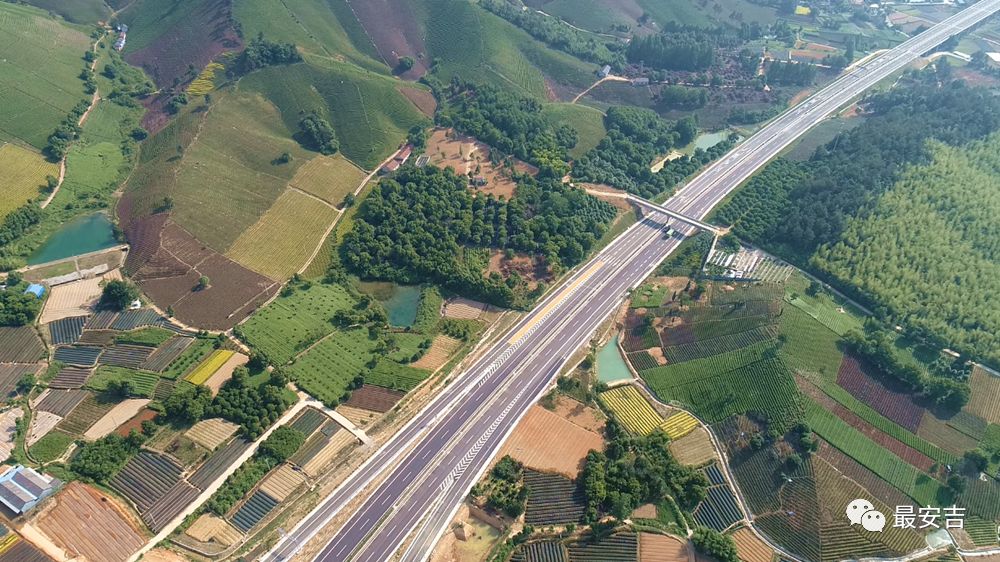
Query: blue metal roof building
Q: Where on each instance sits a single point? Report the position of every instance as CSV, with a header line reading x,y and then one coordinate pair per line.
x,y
35,289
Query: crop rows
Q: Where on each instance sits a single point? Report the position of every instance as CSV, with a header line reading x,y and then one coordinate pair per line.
x,y
85,415
623,547
146,478
20,345
308,421
969,424
97,337
982,498
862,449
981,531
544,551
166,353
209,366
733,311
11,374
217,462
639,338
745,292
66,330
326,369
796,526
374,398
757,475
679,425
641,360
718,510
61,402
102,320
132,319
392,375
143,384
255,509
631,409
170,505
193,355
720,344
715,393
897,406
84,356
128,356
70,377
552,500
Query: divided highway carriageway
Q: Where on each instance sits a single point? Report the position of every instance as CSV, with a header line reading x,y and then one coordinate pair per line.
x,y
428,467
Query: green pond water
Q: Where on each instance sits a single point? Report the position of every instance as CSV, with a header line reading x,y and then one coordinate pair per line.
x,y
610,363
400,301
705,141
81,235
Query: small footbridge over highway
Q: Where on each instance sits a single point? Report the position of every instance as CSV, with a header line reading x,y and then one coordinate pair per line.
x,y
699,224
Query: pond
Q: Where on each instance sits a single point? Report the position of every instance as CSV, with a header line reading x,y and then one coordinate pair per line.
x,y
705,141
611,365
81,235
400,301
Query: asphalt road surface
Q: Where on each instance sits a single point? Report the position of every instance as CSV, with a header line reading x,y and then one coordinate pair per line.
x,y
429,466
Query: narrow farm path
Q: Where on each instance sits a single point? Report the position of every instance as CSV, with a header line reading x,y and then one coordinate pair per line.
x,y
609,78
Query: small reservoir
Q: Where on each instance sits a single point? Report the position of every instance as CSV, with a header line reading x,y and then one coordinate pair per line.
x,y
85,234
611,365
400,301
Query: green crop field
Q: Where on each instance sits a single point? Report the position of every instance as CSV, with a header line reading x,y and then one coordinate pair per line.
x,y
407,344
326,369
471,42
586,121
908,479
809,345
649,295
76,11
192,356
327,29
367,111
24,175
751,379
390,374
242,134
143,384
824,307
151,336
331,178
51,446
289,324
279,244
39,83
592,15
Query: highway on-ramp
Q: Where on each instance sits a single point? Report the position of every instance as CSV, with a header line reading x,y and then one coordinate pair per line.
x,y
426,469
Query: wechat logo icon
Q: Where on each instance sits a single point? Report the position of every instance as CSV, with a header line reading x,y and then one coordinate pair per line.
x,y
862,512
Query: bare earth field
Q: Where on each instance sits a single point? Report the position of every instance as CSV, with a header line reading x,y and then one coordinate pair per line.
x,y
73,299
546,442
480,537
225,372
423,99
985,400
394,31
358,416
121,413
576,413
8,432
41,423
281,482
210,528
750,548
463,309
211,433
84,522
467,155
661,548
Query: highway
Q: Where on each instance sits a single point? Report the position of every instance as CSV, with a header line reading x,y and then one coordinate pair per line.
x,y
427,467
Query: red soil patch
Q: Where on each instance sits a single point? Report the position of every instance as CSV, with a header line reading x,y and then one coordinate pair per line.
x,y
167,262
393,29
203,34
896,405
136,422
423,99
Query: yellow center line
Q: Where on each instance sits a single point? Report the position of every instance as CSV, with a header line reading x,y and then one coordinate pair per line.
x,y
587,274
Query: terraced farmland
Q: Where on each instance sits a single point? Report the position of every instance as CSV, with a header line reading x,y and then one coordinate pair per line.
x,y
166,354
85,415
631,409
251,512
83,356
390,374
127,356
897,406
66,330
552,500
331,178
622,547
143,384
70,378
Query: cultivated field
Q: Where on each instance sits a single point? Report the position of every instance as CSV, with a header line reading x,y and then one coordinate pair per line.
x,y
40,82
71,299
121,413
212,528
24,176
694,449
334,445
146,479
70,377
750,548
553,500
327,368
7,431
41,424
330,178
586,121
546,442
439,353
20,345
678,425
212,432
370,116
985,400
209,366
105,534
463,309
661,548
374,398
289,324
631,409
281,482
225,372
279,244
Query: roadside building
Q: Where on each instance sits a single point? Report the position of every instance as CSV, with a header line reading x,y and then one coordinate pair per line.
x,y
21,488
605,71
640,81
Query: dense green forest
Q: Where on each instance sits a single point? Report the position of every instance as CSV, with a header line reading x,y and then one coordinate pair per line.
x,y
424,224
636,138
896,219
